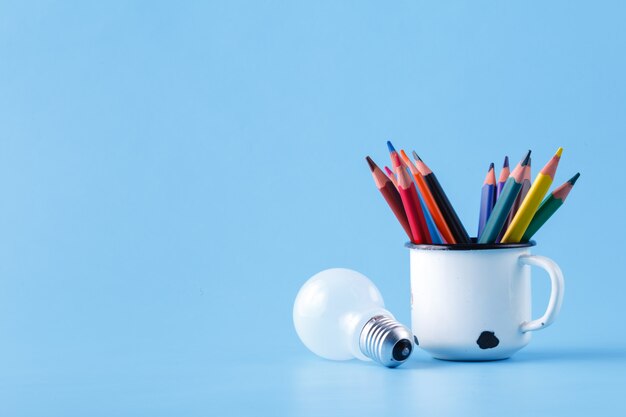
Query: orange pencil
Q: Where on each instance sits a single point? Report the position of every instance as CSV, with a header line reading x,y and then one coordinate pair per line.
x,y
431,204
452,219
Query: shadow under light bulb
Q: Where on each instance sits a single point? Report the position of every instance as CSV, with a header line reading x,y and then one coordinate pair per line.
x,y
339,314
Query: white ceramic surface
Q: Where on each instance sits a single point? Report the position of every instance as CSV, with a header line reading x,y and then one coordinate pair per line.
x,y
475,304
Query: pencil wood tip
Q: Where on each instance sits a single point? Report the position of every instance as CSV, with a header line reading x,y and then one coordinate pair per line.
x,y
490,178
395,158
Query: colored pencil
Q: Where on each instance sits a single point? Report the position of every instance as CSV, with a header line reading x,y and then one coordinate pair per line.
x,y
391,175
504,175
390,194
410,200
452,219
549,206
431,204
392,151
503,205
487,198
529,206
435,236
518,201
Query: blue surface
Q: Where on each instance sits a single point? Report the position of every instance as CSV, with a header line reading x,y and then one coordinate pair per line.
x,y
170,176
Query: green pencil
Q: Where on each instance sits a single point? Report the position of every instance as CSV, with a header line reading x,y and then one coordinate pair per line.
x,y
505,201
549,206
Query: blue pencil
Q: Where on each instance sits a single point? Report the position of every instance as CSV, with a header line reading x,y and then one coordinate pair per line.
x,y
487,199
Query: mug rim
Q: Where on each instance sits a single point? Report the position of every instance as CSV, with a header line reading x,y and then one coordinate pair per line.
x,y
469,246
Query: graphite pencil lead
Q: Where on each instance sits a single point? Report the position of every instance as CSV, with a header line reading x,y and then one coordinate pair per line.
x,y
506,162
526,160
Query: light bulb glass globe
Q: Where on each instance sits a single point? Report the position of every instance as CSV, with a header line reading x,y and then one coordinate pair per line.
x,y
339,314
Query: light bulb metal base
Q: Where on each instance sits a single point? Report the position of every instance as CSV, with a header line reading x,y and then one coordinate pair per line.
x,y
386,341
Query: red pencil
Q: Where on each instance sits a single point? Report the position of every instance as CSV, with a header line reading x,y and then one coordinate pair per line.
x,y
390,194
410,201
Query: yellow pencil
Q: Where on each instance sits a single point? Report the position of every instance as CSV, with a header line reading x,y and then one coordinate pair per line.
x,y
529,206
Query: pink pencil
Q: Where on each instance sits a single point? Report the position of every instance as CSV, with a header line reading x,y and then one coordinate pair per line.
x,y
391,176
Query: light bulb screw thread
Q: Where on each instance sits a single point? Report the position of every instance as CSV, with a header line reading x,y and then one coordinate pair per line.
x,y
386,341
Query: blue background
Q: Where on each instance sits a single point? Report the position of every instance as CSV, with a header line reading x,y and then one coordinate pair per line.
x,y
171,174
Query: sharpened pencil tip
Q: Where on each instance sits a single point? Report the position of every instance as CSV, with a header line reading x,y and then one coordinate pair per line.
x,y
490,178
416,156
395,159
506,162
559,152
574,178
370,163
390,146
526,160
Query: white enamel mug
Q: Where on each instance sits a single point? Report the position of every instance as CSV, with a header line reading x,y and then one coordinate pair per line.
x,y
473,302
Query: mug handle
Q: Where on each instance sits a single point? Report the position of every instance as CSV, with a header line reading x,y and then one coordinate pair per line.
x,y
556,293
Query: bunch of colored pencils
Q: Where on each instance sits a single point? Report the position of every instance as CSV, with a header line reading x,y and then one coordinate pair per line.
x,y
511,209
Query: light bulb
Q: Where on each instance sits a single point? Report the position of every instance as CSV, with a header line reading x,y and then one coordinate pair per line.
x,y
339,314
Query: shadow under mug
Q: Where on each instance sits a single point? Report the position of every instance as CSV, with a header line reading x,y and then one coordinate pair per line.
x,y
473,302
